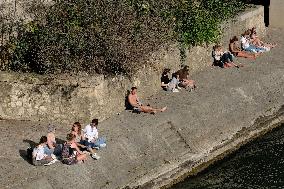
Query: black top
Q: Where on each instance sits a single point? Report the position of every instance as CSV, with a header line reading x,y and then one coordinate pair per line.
x,y
165,79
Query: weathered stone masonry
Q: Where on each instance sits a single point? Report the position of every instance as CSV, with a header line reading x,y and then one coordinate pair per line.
x,y
66,98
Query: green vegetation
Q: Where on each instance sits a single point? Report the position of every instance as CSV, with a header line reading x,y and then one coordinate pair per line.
x,y
112,36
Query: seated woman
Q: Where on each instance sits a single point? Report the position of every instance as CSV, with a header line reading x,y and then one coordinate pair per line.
x,y
237,51
80,139
165,78
257,42
71,154
248,46
183,78
39,157
222,58
173,84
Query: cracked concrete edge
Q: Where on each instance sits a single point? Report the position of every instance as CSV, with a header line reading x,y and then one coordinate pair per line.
x,y
191,164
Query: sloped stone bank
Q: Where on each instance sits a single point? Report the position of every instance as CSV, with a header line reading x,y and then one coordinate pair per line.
x,y
230,107
67,98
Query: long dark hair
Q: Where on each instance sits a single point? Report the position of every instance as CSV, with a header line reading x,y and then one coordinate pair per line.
x,y
235,38
253,31
79,127
166,71
70,137
43,139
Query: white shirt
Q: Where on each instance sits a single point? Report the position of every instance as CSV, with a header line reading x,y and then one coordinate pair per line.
x,y
245,42
218,55
91,133
38,152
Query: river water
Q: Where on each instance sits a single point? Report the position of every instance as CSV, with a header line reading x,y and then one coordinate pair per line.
x,y
257,165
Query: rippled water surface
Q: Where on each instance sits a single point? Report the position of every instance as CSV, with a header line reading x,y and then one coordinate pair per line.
x,y
257,165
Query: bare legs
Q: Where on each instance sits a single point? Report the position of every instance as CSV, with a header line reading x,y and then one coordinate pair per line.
x,y
188,83
257,42
82,157
148,109
247,55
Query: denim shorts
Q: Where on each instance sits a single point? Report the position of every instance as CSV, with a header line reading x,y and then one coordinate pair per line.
x,y
96,144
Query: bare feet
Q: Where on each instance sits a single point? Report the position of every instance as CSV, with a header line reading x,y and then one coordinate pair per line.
x,y
273,45
164,109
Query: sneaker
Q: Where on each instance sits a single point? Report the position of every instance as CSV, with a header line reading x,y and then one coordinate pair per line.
x,y
53,156
97,148
261,51
267,49
52,162
103,145
95,156
175,90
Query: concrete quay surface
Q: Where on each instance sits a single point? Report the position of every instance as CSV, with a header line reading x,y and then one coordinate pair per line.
x,y
229,107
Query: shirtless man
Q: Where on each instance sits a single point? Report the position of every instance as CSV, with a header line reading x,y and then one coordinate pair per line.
x,y
137,105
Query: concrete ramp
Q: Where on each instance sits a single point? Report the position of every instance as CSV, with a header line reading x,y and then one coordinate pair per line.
x,y
276,13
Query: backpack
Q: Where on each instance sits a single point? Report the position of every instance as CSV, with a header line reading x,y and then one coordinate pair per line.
x,y
67,151
30,153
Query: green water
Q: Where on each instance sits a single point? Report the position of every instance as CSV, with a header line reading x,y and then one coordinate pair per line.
x,y
257,165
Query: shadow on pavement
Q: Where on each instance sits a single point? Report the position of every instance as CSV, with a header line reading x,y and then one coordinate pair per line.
x,y
24,155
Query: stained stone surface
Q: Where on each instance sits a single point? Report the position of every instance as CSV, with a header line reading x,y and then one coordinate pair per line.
x,y
228,107
65,98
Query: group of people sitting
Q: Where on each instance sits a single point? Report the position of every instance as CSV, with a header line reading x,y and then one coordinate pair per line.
x,y
251,46
179,80
79,143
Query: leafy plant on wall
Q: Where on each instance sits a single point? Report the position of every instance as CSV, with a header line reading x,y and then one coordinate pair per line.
x,y
114,37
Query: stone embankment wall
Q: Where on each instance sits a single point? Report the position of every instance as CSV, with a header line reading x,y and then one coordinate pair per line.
x,y
276,13
67,98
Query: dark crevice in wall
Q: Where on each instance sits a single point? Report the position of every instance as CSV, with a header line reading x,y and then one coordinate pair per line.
x,y
266,4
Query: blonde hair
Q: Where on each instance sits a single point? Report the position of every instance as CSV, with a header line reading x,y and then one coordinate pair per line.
x,y
217,47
